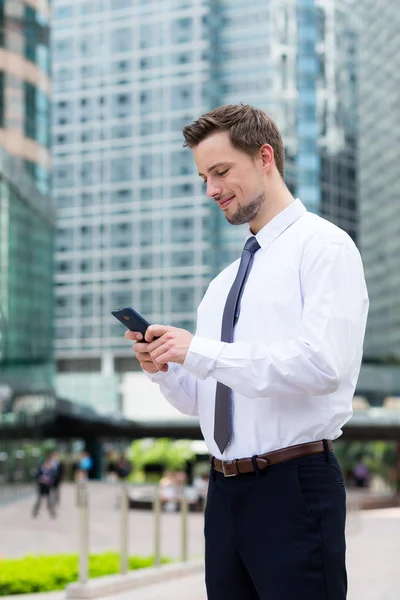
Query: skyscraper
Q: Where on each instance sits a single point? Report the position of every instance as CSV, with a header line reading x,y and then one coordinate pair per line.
x,y
379,137
27,219
134,225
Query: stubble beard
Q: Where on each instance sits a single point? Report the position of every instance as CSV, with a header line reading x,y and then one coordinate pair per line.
x,y
246,214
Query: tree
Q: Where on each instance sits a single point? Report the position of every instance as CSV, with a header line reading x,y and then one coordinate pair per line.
x,y
170,454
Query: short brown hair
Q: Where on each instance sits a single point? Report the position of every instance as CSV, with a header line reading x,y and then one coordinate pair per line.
x,y
249,129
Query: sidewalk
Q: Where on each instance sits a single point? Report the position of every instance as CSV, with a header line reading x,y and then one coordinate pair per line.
x,y
373,550
22,535
373,546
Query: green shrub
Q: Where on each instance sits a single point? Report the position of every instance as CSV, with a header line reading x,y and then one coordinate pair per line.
x,y
33,574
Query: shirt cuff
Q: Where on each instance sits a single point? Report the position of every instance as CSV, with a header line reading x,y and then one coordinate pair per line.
x,y
202,355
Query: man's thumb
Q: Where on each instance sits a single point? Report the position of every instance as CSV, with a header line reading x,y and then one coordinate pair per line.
x,y
155,331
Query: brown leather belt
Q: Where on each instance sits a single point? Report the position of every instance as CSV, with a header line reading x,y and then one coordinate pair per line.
x,y
240,466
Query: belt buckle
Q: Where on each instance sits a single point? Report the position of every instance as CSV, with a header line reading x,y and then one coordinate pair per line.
x,y
227,462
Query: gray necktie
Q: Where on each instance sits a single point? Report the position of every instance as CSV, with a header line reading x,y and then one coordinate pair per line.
x,y
223,395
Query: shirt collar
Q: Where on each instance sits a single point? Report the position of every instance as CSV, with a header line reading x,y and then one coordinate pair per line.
x,y
278,224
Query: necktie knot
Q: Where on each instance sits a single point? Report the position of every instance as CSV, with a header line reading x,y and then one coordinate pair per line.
x,y
252,245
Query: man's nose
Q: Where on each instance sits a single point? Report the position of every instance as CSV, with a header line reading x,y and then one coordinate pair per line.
x,y
213,189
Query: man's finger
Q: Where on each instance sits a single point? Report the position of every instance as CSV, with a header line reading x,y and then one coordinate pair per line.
x,y
155,331
144,356
141,347
162,357
133,335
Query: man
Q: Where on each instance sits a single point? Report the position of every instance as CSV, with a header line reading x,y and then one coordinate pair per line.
x,y
271,372
123,467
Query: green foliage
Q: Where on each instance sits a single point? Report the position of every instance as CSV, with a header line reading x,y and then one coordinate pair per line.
x,y
33,574
172,455
380,457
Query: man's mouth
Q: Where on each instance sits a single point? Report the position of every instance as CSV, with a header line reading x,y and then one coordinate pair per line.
x,y
224,203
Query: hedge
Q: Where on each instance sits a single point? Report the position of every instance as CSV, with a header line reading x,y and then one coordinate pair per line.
x,y
42,573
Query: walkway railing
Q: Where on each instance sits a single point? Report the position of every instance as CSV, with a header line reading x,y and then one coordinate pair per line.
x,y
156,502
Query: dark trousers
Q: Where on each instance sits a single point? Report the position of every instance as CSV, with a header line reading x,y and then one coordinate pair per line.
x,y
279,534
43,491
56,493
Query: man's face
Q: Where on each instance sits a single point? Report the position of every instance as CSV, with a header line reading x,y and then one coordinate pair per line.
x,y
233,178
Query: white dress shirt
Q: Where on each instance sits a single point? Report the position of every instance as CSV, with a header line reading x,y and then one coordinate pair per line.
x,y
297,349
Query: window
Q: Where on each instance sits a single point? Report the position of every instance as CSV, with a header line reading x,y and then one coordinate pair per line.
x,y
146,261
181,191
183,229
181,163
87,199
121,299
120,4
121,169
180,259
123,195
121,105
86,136
64,266
182,299
121,40
181,30
85,265
121,263
63,176
63,49
87,173
63,333
121,235
146,299
121,131
65,201
62,12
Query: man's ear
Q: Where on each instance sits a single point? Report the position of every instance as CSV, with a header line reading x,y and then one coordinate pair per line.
x,y
267,156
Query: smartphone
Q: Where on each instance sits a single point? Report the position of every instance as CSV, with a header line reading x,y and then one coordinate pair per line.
x,y
131,319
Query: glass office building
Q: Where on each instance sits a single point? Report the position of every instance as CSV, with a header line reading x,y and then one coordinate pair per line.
x,y
27,219
379,137
25,86
27,223
134,224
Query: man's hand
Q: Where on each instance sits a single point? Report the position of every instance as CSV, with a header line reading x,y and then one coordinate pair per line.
x,y
171,346
142,353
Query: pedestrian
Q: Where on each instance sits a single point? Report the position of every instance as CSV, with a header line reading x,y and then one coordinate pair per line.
x,y
271,372
361,473
123,468
57,467
85,464
45,480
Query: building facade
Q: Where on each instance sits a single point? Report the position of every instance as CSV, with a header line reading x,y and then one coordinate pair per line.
x,y
27,223
27,218
379,127
134,224
25,86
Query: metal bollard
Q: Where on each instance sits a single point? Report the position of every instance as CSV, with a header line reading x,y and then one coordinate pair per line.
x,y
184,526
157,528
83,507
124,506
